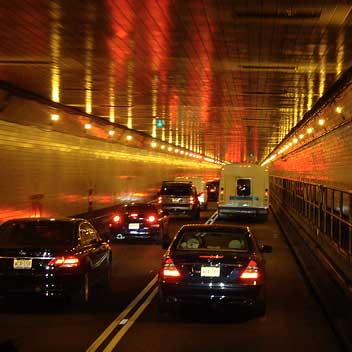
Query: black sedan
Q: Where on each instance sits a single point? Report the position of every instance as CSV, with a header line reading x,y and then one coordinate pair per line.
x,y
52,258
220,264
139,220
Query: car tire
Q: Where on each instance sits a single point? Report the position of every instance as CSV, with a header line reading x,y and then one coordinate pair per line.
x,y
82,297
259,309
108,277
195,214
163,306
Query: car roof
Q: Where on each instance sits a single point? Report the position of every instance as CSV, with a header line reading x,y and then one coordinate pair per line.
x,y
139,205
45,219
175,183
214,227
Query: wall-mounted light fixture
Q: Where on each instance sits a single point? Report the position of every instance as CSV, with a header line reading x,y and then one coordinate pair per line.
x,y
55,117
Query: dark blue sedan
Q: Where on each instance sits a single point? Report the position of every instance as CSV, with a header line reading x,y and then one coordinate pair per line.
x,y
220,264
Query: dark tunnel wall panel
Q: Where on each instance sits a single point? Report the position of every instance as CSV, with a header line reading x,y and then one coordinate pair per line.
x,y
50,173
326,161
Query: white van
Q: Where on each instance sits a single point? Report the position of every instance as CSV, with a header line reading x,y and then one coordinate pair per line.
x,y
201,187
244,191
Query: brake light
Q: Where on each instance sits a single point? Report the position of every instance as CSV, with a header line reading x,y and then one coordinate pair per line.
x,y
117,218
134,215
151,218
191,200
251,272
211,256
64,262
169,269
160,200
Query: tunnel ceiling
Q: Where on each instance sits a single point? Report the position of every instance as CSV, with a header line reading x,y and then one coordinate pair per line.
x,y
228,79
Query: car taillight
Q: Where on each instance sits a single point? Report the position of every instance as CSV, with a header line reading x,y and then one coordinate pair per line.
x,y
151,218
117,219
191,200
222,191
169,269
160,200
134,215
251,272
201,196
64,262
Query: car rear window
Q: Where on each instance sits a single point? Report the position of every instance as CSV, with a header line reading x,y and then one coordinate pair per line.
x,y
213,240
176,190
31,233
146,209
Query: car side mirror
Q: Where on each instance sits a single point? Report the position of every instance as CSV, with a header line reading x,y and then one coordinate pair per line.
x,y
266,248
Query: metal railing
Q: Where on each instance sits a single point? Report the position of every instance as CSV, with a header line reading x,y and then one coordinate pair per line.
x,y
328,210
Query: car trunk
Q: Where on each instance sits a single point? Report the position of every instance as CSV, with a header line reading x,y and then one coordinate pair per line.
x,y
212,267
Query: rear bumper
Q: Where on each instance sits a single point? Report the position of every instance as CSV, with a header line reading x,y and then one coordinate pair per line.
x,y
224,211
179,209
246,295
121,233
39,285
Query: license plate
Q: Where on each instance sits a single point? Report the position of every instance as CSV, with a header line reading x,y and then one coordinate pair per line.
x,y
22,263
175,200
210,271
133,226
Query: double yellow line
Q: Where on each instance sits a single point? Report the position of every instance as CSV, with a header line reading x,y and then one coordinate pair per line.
x,y
121,319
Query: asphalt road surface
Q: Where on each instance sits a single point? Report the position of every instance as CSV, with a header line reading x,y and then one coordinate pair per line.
x,y
127,319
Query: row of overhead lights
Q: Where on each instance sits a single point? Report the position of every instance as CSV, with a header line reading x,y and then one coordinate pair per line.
x,y
185,153
153,144
297,138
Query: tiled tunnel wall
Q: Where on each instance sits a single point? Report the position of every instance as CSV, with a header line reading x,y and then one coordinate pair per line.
x,y
327,158
51,173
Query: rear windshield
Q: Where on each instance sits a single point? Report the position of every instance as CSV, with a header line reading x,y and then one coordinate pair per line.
x,y
211,240
31,233
176,190
243,187
140,209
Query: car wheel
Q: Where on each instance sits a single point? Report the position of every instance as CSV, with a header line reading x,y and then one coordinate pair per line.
x,y
259,307
163,305
108,277
195,214
198,214
82,297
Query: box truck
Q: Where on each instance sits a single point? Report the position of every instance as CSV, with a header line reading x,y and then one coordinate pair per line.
x,y
244,191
